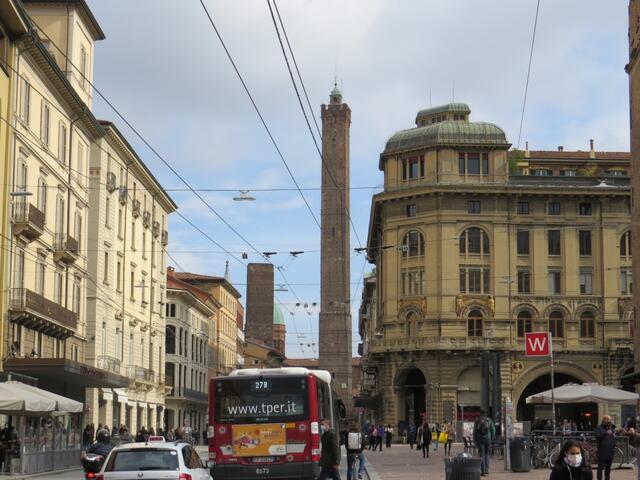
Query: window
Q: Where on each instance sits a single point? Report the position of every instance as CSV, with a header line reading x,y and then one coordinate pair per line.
x,y
617,173
118,343
523,208
587,325
474,241
524,323
62,143
412,282
473,163
120,222
625,244
584,208
626,281
412,210
567,173
522,242
413,244
42,195
119,276
25,101
584,237
586,282
474,279
132,287
133,235
40,276
45,122
473,206
556,324
553,208
412,168
553,242
524,281
555,281
474,323
19,269
171,310
78,229
144,244
77,296
541,172
131,349
104,338
106,267
23,176
107,211
83,66
80,174
57,287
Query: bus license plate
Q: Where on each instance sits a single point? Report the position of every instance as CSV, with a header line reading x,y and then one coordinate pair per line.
x,y
263,459
262,471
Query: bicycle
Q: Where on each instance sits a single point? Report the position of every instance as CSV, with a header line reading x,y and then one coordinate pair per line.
x,y
541,450
591,452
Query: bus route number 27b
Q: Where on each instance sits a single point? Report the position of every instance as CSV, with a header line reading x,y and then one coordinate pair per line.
x,y
261,385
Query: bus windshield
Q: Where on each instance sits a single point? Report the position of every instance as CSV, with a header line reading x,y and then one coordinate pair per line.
x,y
261,400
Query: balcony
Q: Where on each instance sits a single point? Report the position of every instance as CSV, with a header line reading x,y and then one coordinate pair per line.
x,y
141,374
110,364
195,395
28,221
38,313
155,229
146,219
123,195
135,208
165,238
437,343
65,249
111,182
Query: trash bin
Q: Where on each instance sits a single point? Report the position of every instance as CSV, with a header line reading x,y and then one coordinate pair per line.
x,y
520,454
462,467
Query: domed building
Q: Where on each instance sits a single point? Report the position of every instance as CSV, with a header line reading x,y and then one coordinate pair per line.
x,y
473,248
279,331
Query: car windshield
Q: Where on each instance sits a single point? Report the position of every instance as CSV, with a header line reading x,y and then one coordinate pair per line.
x,y
142,459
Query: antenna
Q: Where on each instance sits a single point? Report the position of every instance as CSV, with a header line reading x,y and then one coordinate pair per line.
x,y
453,91
430,97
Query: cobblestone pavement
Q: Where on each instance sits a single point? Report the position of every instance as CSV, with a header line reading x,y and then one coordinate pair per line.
x,y
400,462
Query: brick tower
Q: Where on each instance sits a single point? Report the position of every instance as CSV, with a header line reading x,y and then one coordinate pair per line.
x,y
335,296
259,322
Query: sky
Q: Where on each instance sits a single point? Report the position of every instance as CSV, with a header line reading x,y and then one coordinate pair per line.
x,y
164,69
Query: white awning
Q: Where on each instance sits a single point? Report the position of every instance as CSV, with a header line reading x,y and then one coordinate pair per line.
x,y
107,394
16,397
587,392
122,394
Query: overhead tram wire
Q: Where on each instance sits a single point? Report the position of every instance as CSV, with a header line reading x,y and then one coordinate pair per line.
x,y
257,110
526,85
306,117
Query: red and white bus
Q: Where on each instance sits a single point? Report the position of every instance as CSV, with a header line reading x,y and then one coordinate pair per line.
x,y
266,422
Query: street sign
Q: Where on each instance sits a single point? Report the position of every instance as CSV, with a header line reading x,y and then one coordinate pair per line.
x,y
537,344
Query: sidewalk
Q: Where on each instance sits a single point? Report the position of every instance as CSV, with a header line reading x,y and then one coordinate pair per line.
x,y
401,463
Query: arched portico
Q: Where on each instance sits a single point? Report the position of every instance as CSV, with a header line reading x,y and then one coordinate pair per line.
x,y
410,387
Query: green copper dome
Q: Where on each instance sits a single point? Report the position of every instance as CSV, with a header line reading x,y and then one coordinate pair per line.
x,y
278,318
453,107
447,133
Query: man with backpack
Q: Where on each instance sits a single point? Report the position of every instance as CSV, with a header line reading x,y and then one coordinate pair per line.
x,y
355,447
484,433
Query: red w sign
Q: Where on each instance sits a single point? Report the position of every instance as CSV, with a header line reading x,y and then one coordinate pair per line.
x,y
537,344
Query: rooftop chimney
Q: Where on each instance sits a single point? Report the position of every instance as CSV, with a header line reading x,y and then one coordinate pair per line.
x,y
560,148
526,149
592,151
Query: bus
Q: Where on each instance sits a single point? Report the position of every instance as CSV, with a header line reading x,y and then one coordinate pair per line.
x,y
265,423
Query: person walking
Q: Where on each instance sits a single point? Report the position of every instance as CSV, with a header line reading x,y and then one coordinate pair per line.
x,y
448,439
424,437
373,437
571,464
604,434
411,436
388,435
329,453
380,436
484,433
437,430
355,446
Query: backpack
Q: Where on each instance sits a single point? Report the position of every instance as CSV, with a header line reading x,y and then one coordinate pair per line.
x,y
354,441
483,426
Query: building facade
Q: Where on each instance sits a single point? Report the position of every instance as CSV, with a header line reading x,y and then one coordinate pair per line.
x,y
221,289
188,314
469,257
128,235
335,287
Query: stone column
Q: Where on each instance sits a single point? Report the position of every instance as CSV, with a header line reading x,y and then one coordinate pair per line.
x,y
154,417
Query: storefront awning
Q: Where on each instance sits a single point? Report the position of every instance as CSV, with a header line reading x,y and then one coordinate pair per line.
x,y
66,371
19,398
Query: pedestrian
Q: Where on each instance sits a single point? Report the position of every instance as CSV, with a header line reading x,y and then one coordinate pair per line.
x,y
125,436
388,435
424,437
604,434
412,435
329,453
373,438
449,433
170,435
437,435
87,436
571,464
204,436
484,433
355,446
380,436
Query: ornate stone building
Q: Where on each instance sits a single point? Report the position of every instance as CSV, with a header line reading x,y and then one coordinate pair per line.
x,y
470,254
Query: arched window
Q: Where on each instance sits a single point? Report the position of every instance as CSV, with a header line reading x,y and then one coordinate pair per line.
x,y
556,324
587,325
410,324
474,323
524,323
625,244
474,241
413,244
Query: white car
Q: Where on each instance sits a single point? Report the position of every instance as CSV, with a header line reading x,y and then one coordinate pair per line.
x,y
154,461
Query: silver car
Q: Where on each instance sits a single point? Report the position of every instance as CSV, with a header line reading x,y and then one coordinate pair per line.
x,y
154,461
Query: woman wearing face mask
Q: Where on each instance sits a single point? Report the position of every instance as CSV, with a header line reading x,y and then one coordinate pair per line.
x,y
571,463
